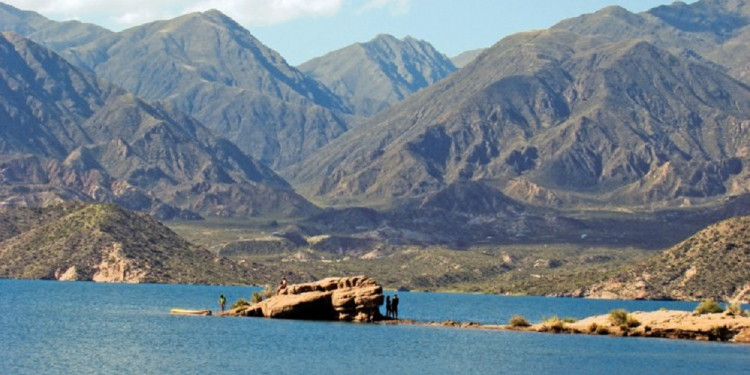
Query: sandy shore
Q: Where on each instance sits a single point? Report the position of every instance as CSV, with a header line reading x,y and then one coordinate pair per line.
x,y
663,323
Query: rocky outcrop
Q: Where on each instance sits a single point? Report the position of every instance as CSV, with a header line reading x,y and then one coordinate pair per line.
x,y
356,299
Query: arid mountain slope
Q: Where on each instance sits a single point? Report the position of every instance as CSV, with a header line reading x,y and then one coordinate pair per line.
x,y
68,135
102,242
712,32
52,34
373,75
713,263
210,67
576,118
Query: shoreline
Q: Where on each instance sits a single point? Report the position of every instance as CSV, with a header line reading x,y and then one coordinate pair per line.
x,y
670,324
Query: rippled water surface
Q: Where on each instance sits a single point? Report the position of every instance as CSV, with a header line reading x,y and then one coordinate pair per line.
x,y
49,327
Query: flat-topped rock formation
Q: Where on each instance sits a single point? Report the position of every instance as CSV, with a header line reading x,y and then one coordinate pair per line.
x,y
355,299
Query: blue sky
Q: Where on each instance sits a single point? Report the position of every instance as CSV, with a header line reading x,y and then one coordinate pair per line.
x,y
303,29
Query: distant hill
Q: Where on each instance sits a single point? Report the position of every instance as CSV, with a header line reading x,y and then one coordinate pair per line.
x,y
102,242
373,75
465,58
52,34
713,263
210,67
68,135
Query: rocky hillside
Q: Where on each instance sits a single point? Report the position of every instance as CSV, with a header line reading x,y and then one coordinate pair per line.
x,y
712,32
713,263
70,135
52,34
373,75
102,242
210,67
553,118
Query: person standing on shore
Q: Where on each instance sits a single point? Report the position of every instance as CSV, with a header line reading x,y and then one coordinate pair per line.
x,y
387,306
394,306
222,302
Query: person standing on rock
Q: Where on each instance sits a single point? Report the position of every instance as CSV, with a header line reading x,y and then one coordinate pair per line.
x,y
387,306
222,302
394,306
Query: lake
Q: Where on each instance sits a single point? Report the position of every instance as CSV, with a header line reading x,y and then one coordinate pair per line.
x,y
50,327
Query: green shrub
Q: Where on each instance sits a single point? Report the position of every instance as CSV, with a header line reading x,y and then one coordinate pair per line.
x,y
553,324
708,307
255,298
239,303
268,292
618,317
631,321
518,321
735,309
569,320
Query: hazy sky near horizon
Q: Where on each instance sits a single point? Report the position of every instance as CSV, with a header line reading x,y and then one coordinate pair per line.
x,y
303,29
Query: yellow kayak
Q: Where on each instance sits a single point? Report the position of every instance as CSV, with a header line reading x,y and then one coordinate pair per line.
x,y
190,312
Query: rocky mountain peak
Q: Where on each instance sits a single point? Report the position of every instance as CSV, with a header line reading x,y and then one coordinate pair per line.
x,y
372,75
207,65
107,144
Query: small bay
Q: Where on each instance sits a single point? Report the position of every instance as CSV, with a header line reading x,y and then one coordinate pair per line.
x,y
50,327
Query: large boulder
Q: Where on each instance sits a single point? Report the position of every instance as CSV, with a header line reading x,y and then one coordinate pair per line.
x,y
356,299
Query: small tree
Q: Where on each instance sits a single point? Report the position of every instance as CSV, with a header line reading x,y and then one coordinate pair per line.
x,y
554,324
631,321
618,317
255,298
708,306
239,303
518,321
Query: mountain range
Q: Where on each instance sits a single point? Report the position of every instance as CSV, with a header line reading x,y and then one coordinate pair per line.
x,y
67,134
608,111
558,118
210,67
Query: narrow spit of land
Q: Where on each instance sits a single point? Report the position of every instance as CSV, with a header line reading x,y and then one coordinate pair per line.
x,y
359,299
663,323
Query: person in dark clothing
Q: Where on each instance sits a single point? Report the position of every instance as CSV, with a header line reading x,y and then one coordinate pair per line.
x,y
387,306
394,306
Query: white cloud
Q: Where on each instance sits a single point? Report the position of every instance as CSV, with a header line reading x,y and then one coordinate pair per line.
x,y
121,14
396,7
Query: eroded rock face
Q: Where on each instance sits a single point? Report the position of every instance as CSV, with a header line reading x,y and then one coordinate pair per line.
x,y
356,298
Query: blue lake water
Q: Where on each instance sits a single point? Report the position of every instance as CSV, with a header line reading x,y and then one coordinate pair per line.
x,y
49,327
